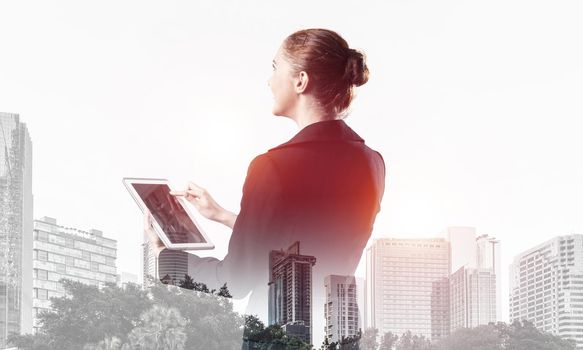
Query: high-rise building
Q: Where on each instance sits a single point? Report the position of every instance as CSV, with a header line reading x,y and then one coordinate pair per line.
x,y
488,257
341,308
149,264
68,253
169,267
473,297
475,272
290,291
546,287
407,286
15,227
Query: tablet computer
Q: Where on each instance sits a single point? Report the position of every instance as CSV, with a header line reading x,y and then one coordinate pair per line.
x,y
173,220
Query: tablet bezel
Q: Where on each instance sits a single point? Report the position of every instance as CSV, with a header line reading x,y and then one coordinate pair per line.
x,y
175,246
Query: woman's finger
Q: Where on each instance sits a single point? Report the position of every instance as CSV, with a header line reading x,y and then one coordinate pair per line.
x,y
196,188
195,194
178,193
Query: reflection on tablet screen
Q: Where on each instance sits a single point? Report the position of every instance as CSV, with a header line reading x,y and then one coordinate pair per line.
x,y
169,213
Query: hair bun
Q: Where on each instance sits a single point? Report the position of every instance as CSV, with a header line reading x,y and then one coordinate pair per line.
x,y
356,70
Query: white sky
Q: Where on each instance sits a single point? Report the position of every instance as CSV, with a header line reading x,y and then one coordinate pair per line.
x,y
476,107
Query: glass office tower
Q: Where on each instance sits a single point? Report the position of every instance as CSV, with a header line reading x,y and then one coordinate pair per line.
x,y
15,227
407,286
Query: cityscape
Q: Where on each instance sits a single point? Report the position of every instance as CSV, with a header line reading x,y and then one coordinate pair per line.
x,y
430,287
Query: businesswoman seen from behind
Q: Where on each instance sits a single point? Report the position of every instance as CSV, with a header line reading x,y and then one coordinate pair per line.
x,y
322,188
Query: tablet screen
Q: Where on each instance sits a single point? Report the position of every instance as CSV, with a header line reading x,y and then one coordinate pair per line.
x,y
169,213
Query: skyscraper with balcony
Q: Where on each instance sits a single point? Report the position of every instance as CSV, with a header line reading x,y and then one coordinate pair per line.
x,y
341,308
16,218
546,287
64,252
290,291
407,286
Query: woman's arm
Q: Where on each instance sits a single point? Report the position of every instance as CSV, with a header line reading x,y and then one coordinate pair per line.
x,y
245,264
227,218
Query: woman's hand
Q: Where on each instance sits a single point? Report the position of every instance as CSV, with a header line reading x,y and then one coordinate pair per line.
x,y
206,205
155,243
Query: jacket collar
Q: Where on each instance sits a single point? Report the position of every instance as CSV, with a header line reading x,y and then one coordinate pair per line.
x,y
329,130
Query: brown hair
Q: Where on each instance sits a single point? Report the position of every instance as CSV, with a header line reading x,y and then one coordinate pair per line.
x,y
333,67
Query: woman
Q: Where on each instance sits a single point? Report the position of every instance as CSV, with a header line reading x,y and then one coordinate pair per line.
x,y
322,188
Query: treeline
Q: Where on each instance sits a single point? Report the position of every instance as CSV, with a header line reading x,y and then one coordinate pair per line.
x,y
495,336
190,316
160,317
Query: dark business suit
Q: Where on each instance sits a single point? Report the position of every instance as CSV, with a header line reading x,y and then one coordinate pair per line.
x,y
322,188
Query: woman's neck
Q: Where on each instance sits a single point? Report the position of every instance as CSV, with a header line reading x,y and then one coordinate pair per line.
x,y
306,116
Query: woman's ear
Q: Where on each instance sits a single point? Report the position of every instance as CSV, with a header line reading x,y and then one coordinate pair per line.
x,y
301,82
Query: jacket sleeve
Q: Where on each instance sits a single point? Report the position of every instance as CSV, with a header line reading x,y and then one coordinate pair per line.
x,y
245,264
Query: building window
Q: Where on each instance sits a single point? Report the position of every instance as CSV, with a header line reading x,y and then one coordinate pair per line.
x,y
42,255
41,274
42,236
61,268
110,261
94,266
41,294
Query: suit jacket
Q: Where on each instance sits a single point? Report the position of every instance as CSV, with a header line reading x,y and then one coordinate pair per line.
x,y
322,188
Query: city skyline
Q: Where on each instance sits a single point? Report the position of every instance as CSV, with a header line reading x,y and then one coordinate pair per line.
x,y
481,260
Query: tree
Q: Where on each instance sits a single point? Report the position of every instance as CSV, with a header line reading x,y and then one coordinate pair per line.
x,y
253,327
212,323
96,319
326,345
162,328
524,336
479,338
112,343
517,336
350,343
408,341
224,292
368,340
257,337
187,283
388,341
29,342
87,314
